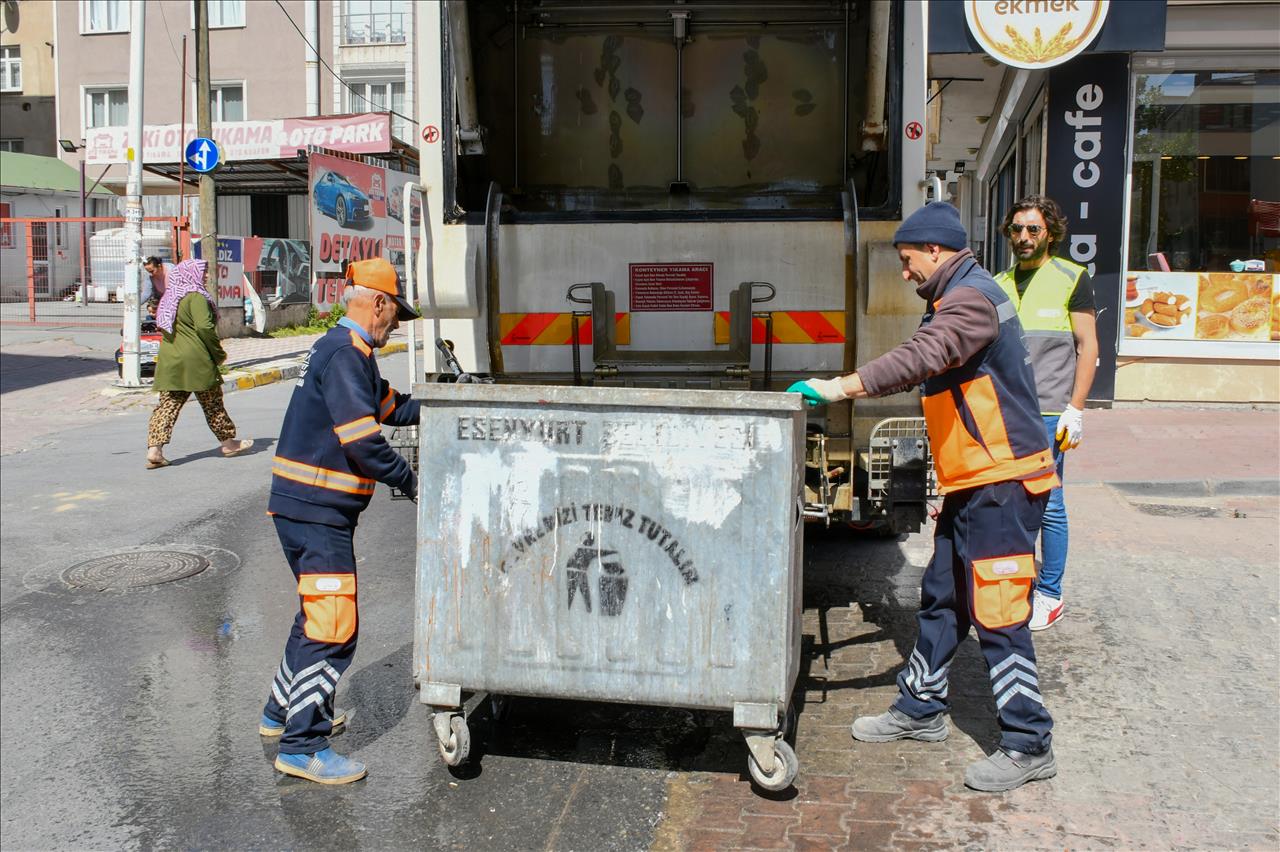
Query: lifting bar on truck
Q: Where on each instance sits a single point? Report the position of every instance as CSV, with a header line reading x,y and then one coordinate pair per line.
x,y
608,358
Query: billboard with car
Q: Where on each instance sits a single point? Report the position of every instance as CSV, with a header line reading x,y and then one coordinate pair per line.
x,y
356,213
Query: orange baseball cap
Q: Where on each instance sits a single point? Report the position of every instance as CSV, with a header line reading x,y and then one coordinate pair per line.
x,y
377,273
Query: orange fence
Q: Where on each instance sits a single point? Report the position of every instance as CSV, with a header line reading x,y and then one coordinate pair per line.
x,y
71,270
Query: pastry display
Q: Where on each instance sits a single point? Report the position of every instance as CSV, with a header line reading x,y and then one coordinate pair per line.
x,y
1212,326
1222,291
1251,315
1165,310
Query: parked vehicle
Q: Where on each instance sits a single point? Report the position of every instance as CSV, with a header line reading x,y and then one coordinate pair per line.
x,y
148,349
338,197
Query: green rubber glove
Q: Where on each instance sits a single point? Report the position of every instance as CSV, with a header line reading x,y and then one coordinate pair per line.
x,y
809,392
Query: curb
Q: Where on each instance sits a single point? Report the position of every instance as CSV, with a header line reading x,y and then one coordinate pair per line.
x,y
287,368
1198,488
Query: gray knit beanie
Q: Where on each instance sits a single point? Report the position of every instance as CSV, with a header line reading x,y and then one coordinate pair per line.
x,y
937,222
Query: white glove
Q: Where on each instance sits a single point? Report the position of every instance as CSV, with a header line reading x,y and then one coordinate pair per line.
x,y
831,390
1070,428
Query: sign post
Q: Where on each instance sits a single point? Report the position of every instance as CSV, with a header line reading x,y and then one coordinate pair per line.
x,y
131,364
1088,119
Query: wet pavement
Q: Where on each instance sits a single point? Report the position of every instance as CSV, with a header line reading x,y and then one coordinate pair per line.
x,y
128,718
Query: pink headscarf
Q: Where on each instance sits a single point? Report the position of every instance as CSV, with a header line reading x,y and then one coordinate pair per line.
x,y
186,277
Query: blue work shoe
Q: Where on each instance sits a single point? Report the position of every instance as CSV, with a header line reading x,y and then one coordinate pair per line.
x,y
269,727
324,767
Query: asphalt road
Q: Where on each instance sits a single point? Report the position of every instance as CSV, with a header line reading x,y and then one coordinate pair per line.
x,y
128,718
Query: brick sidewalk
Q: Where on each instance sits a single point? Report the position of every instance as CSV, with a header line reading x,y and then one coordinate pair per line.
x,y
1162,692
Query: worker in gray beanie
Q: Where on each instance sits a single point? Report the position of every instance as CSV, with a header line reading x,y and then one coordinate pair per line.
x,y
995,470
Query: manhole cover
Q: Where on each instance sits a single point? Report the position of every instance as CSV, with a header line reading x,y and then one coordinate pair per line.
x,y
133,569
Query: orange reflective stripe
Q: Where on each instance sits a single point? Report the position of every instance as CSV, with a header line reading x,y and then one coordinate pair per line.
x,y
358,342
373,428
354,426
388,404
329,605
320,477
790,327
1002,590
548,329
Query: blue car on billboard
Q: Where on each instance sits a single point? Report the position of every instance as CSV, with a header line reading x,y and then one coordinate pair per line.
x,y
337,197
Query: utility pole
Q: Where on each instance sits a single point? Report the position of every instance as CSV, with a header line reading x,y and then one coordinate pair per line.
x,y
204,127
131,368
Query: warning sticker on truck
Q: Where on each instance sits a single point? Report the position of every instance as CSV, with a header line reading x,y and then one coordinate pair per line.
x,y
671,286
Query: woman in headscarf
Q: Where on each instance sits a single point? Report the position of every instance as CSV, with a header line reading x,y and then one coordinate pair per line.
x,y
190,353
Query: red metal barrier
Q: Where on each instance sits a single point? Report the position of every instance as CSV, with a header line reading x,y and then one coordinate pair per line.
x,y
69,271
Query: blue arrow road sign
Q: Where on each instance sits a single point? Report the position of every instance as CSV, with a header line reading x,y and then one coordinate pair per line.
x,y
202,155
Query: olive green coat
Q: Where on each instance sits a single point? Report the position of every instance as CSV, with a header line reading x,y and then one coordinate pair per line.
x,y
190,354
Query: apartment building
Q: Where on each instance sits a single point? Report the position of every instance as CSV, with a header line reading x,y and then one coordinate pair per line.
x,y
27,89
259,71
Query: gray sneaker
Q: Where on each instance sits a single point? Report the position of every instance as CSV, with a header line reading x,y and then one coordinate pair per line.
x,y
896,725
1008,770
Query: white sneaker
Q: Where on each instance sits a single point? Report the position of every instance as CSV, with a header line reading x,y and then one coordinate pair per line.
x,y
1044,611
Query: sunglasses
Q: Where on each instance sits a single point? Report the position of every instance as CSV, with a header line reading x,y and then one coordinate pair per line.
x,y
1033,230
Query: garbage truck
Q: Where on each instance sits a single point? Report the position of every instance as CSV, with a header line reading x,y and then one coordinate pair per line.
x,y
682,194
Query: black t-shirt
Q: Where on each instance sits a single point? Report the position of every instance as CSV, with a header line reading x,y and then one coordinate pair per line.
x,y
1081,299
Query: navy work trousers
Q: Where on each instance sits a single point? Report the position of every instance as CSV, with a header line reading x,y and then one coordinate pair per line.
x,y
323,639
981,575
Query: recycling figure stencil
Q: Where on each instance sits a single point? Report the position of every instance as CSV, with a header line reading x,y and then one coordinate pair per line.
x,y
613,580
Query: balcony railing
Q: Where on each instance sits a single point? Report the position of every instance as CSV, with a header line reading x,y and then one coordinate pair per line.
x,y
375,28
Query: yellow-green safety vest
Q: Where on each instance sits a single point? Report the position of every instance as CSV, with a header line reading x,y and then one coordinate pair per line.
x,y
1042,309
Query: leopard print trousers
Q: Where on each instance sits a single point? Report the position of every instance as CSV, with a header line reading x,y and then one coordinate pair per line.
x,y
160,429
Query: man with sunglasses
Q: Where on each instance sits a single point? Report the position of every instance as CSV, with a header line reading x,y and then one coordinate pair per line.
x,y
331,452
1055,303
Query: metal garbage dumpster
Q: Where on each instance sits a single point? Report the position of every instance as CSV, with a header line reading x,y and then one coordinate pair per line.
x,y
637,545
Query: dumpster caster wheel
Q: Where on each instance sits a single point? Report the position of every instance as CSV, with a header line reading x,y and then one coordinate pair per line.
x,y
457,748
785,767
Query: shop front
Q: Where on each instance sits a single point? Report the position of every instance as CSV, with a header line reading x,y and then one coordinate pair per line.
x,y
1161,142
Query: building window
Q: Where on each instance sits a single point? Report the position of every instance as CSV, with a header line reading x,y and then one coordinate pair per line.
x,y
11,145
374,21
223,13
226,102
10,68
1204,202
106,107
104,16
378,96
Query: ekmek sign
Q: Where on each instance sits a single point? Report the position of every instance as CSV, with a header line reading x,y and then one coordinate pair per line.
x,y
1035,33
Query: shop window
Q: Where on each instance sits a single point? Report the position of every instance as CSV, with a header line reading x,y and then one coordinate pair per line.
x,y
1003,189
14,145
106,107
1204,211
1032,155
10,68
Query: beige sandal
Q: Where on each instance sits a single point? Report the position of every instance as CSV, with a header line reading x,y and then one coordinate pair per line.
x,y
244,445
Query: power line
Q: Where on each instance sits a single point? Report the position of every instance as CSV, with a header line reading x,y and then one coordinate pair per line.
x,y
172,46
348,86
